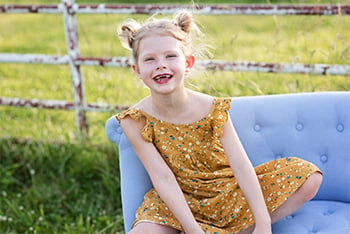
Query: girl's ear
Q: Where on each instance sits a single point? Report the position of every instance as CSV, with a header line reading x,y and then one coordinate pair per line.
x,y
136,70
189,63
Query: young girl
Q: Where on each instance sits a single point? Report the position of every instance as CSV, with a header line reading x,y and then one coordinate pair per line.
x,y
203,180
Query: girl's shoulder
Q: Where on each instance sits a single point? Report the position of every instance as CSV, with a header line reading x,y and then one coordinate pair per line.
x,y
143,105
212,107
135,112
204,100
135,121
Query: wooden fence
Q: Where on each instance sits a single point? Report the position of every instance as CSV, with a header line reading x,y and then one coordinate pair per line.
x,y
73,58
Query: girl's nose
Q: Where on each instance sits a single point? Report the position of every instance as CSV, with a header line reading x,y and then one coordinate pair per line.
x,y
161,64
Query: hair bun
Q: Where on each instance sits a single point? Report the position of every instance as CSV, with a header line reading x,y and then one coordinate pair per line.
x,y
182,27
126,33
184,20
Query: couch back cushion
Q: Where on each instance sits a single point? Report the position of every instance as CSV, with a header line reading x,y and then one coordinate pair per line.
x,y
312,126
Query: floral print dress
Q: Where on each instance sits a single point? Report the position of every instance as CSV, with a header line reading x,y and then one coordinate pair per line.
x,y
197,158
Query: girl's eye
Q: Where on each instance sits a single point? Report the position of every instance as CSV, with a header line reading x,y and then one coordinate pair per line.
x,y
148,59
171,55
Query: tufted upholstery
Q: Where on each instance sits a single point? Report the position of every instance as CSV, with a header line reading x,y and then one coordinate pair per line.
x,y
312,126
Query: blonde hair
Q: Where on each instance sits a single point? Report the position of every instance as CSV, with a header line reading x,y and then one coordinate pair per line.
x,y
182,27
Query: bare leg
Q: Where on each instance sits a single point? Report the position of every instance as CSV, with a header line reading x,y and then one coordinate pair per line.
x,y
152,228
305,193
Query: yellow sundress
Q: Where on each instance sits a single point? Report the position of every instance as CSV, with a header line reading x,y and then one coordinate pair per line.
x,y
196,156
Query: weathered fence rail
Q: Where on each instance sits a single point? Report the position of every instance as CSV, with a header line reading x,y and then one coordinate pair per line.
x,y
316,69
73,58
169,9
58,105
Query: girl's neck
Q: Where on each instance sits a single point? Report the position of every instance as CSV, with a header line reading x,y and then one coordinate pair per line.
x,y
170,106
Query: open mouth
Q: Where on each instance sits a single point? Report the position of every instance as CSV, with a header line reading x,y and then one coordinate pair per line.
x,y
163,78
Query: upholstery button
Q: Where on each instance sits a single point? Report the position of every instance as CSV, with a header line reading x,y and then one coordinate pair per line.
x,y
340,127
299,127
257,128
327,213
324,158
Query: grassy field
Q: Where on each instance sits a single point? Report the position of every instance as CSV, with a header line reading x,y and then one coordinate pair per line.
x,y
59,188
72,186
286,39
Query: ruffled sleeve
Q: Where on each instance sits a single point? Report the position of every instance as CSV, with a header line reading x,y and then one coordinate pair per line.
x,y
135,114
220,115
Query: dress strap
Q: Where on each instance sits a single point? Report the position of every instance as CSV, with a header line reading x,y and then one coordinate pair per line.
x,y
220,115
136,114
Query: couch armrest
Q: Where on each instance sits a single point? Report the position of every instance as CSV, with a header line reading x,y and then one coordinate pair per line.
x,y
134,179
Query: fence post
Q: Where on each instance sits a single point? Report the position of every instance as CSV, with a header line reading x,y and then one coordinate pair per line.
x,y
70,28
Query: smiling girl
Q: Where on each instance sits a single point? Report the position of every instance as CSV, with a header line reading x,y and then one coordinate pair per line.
x,y
203,180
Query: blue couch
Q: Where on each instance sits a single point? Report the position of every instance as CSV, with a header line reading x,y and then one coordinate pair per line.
x,y
312,126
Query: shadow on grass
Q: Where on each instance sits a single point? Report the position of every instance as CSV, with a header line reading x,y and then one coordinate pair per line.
x,y
59,188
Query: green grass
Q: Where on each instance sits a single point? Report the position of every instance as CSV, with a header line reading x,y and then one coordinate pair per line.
x,y
285,39
51,182
59,188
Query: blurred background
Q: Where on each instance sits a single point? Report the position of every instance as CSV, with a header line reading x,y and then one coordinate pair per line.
x,y
53,180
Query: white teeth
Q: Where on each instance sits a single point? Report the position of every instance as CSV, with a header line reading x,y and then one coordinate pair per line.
x,y
162,77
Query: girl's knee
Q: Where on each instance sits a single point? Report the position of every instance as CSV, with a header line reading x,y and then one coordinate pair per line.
x,y
316,181
311,186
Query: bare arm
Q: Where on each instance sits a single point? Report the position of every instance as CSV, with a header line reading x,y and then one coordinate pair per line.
x,y
246,177
161,175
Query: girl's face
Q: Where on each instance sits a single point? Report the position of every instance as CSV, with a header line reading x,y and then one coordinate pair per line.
x,y
162,64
